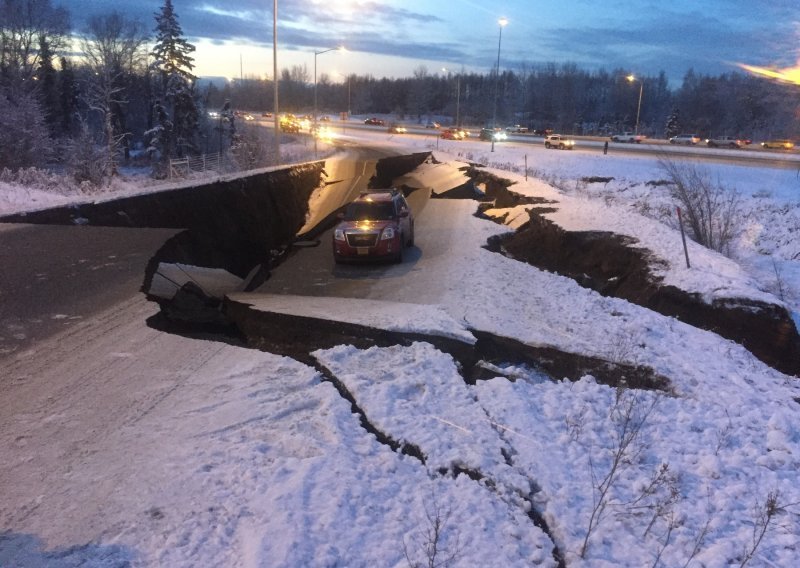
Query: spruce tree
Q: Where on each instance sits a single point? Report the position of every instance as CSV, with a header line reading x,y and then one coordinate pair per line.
x,y
67,96
673,126
178,115
48,88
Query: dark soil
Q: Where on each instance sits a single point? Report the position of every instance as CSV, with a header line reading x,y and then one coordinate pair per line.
x,y
296,337
614,266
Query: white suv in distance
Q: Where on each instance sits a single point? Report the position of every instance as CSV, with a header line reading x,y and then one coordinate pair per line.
x,y
724,142
688,139
558,141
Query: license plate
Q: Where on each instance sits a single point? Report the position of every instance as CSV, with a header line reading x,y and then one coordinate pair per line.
x,y
362,250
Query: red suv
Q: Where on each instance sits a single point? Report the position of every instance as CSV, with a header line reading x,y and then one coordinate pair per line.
x,y
377,225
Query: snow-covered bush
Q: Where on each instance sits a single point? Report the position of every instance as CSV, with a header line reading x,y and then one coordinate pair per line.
x,y
86,161
713,212
24,138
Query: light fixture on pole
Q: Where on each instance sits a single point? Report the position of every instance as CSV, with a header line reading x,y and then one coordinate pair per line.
x,y
502,22
315,130
631,79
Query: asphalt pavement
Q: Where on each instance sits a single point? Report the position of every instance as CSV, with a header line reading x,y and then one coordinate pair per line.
x,y
55,276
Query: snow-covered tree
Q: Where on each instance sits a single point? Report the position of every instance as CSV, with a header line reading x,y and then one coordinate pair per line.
x,y
24,26
113,50
67,96
173,63
158,137
673,126
24,138
47,79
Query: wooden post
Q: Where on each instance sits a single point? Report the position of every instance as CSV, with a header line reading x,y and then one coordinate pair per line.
x,y
526,167
683,238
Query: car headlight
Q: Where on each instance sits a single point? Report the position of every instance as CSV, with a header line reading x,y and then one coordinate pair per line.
x,y
388,233
338,235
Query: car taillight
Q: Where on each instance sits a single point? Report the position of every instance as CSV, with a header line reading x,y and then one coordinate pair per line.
x,y
388,233
338,235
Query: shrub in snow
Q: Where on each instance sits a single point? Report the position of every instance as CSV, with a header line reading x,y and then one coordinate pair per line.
x,y
86,161
712,212
24,138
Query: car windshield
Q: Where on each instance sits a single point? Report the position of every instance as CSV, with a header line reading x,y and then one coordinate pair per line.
x,y
369,211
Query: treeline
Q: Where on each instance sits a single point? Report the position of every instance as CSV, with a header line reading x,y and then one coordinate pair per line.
x,y
563,97
115,101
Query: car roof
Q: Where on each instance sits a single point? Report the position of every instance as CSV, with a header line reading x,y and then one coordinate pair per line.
x,y
377,195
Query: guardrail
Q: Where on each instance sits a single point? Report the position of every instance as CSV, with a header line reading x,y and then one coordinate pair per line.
x,y
183,167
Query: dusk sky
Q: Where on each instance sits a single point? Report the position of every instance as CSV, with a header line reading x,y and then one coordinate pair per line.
x,y
392,38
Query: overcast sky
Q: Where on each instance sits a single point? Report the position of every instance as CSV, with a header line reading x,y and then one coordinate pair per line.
x,y
392,38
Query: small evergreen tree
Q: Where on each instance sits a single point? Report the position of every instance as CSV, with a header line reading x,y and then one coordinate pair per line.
x,y
67,96
178,126
48,87
158,137
673,126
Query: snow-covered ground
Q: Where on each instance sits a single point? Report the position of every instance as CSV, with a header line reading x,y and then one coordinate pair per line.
x,y
146,449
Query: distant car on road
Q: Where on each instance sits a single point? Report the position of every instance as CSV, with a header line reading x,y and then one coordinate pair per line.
x,y
492,134
290,123
559,142
779,144
378,224
628,137
542,131
374,121
397,129
517,129
432,124
452,134
687,139
724,142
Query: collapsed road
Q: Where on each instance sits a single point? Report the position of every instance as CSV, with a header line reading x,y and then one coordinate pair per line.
x,y
234,232
211,242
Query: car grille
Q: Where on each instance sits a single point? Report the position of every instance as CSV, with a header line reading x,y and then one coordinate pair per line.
x,y
362,239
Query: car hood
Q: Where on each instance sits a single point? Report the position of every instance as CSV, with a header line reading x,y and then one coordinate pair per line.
x,y
365,225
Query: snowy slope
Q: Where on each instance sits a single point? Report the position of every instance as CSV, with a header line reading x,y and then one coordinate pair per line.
x,y
126,446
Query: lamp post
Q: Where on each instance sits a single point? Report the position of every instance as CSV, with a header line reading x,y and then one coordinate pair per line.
x,y
503,22
276,121
340,48
632,78
458,95
344,121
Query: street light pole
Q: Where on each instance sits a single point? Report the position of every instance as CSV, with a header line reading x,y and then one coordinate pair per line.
x,y
458,101
314,127
276,121
502,22
631,78
458,94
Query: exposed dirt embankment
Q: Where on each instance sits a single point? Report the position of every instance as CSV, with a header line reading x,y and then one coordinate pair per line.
x,y
229,224
392,167
297,336
613,265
